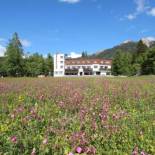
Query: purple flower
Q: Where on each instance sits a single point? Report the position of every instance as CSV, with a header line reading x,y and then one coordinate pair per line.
x,y
135,151
13,139
143,153
79,150
70,153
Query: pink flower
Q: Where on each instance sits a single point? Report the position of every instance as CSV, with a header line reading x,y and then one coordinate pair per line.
x,y
13,139
45,141
143,153
79,150
33,151
135,151
70,153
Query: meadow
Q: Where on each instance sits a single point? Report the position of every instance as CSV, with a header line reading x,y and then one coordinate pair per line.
x,y
71,116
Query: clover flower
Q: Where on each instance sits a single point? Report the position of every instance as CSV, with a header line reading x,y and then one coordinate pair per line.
x,y
79,150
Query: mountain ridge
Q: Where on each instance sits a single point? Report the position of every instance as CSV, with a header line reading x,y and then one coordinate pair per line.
x,y
126,46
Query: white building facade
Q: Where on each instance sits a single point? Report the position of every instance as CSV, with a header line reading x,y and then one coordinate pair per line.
x,y
64,66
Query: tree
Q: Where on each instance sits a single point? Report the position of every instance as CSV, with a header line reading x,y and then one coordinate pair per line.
x,y
34,65
148,67
49,65
84,54
122,64
2,67
14,57
139,57
141,47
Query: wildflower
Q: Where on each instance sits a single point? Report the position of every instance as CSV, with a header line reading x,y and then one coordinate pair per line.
x,y
33,151
70,153
12,116
79,150
135,151
45,141
13,139
143,153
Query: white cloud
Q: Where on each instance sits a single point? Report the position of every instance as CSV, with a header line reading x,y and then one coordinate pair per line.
x,y
150,38
2,50
131,16
25,43
74,55
2,40
151,12
70,1
141,7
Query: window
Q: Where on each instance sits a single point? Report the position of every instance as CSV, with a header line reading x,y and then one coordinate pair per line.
x,y
61,66
61,57
61,62
95,66
56,72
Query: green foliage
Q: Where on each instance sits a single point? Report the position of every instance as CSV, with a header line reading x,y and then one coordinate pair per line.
x,y
2,67
49,64
139,57
141,48
34,65
14,57
14,63
122,64
101,116
130,47
84,54
148,66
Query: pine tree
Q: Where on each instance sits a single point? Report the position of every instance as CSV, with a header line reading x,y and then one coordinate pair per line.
x,y
141,47
148,67
122,64
139,57
49,64
14,57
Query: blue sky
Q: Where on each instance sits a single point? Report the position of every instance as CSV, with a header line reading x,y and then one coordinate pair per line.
x,y
75,25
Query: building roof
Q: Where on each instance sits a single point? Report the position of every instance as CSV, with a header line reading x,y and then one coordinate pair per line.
x,y
88,61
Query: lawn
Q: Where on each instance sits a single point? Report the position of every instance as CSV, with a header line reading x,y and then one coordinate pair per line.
x,y
66,116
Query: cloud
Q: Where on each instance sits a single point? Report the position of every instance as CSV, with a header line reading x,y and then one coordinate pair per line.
x,y
141,7
2,40
131,16
74,55
151,12
150,38
70,1
2,50
25,43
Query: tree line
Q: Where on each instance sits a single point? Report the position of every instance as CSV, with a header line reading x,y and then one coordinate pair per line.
x,y
15,63
142,62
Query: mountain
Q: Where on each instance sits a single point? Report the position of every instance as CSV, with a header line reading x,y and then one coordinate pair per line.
x,y
149,41
126,46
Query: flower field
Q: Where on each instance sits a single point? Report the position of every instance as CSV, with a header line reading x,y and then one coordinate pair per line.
x,y
71,116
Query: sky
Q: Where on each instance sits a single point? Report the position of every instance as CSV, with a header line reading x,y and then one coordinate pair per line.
x,y
50,26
